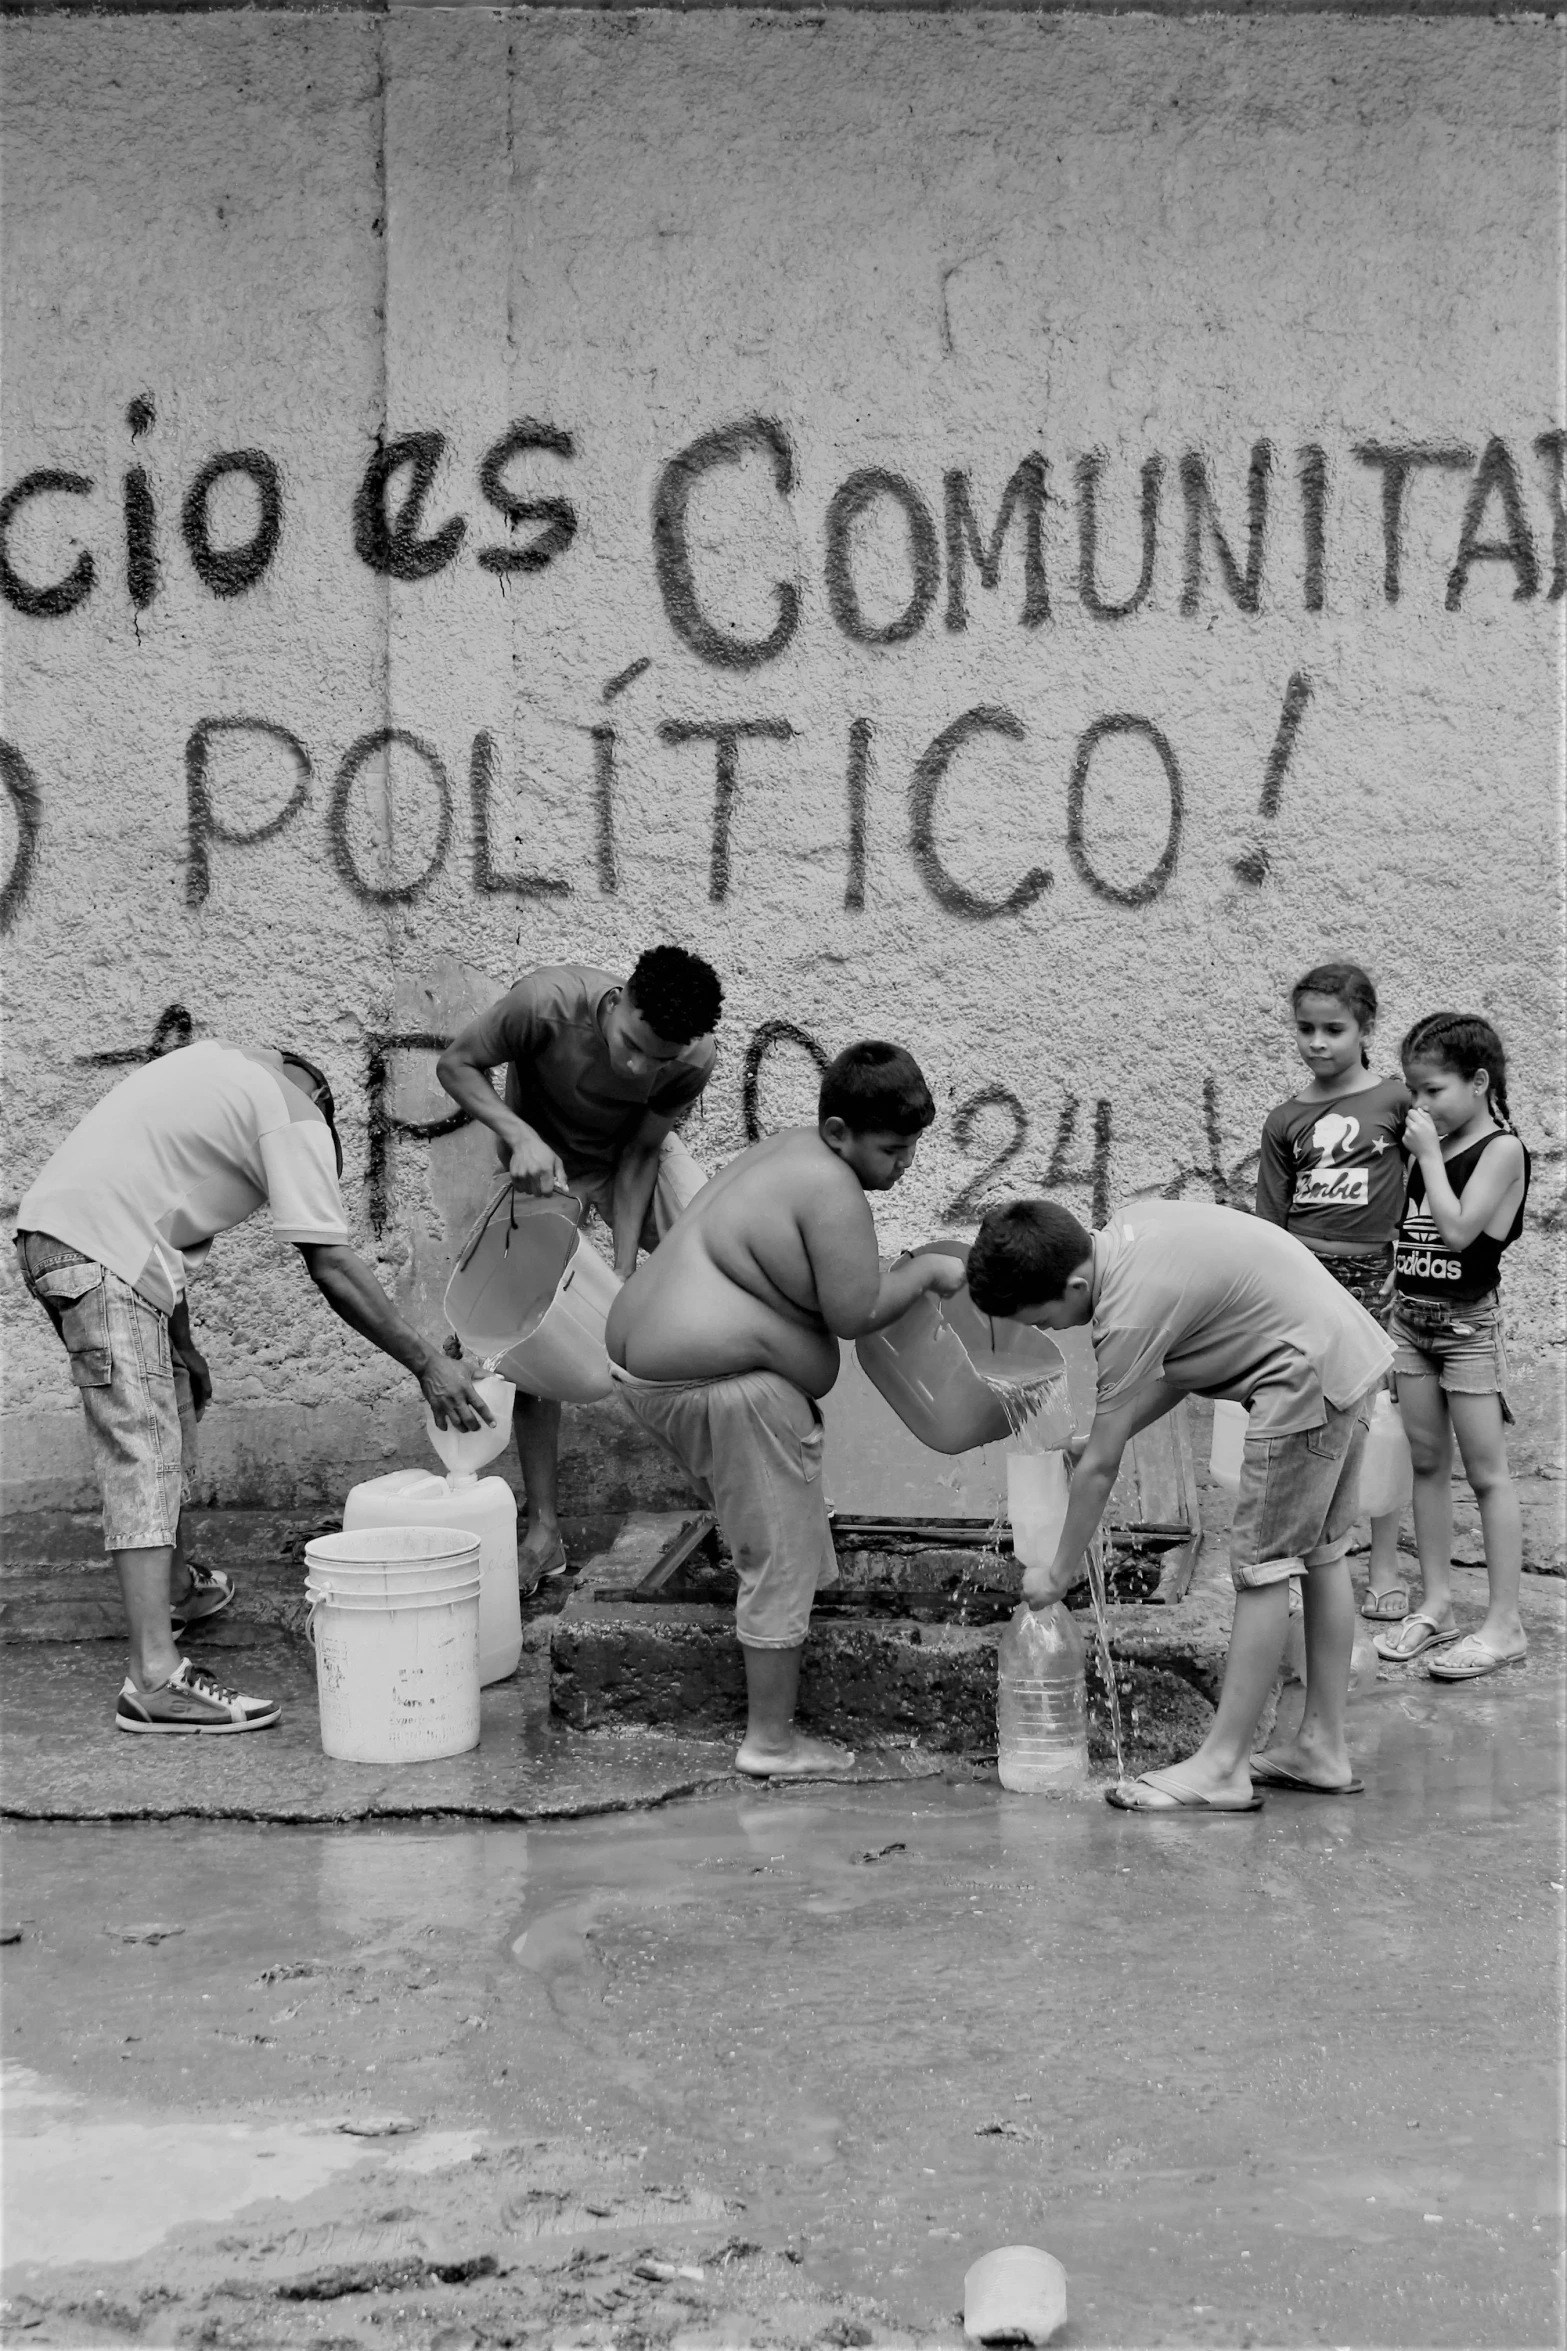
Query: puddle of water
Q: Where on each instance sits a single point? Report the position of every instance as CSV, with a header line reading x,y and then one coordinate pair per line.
x,y
1210,2065
82,2189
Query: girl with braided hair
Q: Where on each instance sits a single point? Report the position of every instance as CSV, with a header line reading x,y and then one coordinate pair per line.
x,y
1468,1180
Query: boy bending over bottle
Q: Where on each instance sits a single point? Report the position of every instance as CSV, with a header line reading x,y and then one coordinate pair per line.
x,y
1185,1299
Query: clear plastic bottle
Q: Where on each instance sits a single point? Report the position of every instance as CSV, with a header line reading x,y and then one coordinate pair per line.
x,y
1042,1703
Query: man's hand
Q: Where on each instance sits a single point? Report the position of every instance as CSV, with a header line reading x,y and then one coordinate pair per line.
x,y
1420,1135
454,1401
189,1357
534,1167
194,1365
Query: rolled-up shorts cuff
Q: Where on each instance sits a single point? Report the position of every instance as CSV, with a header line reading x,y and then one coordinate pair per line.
x,y
1265,1572
1299,1498
792,1641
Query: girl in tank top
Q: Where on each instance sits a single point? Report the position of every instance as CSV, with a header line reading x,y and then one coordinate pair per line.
x,y
1468,1180
1330,1172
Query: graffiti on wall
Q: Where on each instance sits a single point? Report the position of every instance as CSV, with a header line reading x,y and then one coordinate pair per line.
x,y
1265,544
992,1128
394,534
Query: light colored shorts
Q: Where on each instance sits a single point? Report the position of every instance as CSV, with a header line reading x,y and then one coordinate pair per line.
x,y
1458,1345
680,1178
752,1445
1299,1498
141,1420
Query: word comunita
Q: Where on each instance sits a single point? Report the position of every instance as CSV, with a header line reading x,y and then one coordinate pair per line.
x,y
1242,532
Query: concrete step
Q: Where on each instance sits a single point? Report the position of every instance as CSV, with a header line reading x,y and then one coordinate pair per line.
x,y
870,1682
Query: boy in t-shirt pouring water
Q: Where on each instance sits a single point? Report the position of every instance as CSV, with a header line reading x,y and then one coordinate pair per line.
x,y
1187,1299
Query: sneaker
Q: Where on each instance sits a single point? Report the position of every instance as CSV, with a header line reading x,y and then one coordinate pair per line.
x,y
190,1700
210,1590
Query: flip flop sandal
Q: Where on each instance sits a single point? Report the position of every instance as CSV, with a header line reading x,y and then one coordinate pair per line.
x,y
1274,1775
1390,1607
1435,1636
1141,1795
1470,1660
552,1566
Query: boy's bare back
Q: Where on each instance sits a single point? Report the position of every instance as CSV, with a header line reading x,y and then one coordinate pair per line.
x,y
772,1257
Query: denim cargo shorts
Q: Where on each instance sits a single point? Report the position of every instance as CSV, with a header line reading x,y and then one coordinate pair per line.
x,y
141,1423
1299,1498
1457,1344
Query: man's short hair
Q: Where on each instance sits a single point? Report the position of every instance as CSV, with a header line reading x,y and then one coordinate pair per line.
x,y
319,1092
1024,1255
678,995
876,1088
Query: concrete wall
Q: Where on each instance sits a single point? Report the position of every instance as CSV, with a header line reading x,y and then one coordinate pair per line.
x,y
768,307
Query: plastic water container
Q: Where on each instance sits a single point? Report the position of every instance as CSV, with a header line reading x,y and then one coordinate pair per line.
x,y
1228,1450
1387,1472
934,1366
485,1507
467,1451
1038,1490
530,1298
394,1622
1042,1703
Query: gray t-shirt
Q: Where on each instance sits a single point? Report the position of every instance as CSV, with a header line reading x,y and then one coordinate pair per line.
x,y
1223,1304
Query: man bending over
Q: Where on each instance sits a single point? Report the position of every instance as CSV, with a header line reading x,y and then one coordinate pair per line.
x,y
1187,1298
599,1073
723,1340
108,1235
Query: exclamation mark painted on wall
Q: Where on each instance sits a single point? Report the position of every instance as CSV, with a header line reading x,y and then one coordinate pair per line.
x,y
1252,865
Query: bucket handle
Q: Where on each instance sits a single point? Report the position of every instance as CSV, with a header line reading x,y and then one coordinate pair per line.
x,y
508,1197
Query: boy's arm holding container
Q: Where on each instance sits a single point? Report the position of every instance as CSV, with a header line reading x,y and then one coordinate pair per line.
x,y
1098,1465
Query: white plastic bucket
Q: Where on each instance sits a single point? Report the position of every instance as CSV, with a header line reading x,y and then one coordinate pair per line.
x,y
531,1298
394,1622
485,1507
1227,1453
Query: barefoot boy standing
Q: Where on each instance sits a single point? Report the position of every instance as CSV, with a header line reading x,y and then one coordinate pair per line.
x,y
723,1340
1187,1299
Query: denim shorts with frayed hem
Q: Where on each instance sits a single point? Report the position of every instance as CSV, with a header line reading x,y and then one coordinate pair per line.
x,y
141,1427
1299,1498
1459,1345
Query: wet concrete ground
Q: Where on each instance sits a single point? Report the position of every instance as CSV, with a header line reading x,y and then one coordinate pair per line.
x,y
1290,2078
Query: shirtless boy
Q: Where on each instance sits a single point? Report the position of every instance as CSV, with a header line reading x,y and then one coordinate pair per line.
x,y
1187,1299
724,1339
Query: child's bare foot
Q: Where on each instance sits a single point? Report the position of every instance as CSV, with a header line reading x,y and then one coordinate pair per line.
x,y
795,1758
